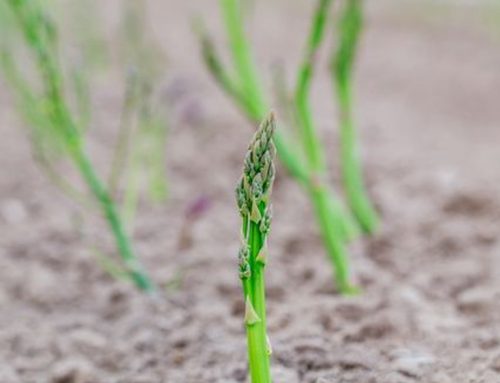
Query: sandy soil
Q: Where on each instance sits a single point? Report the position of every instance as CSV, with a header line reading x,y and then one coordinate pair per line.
x,y
428,112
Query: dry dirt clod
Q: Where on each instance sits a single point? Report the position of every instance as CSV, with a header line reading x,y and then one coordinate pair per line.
x,y
72,370
412,363
495,364
476,301
441,377
88,341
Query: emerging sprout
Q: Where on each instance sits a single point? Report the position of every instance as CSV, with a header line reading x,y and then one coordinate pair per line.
x,y
253,199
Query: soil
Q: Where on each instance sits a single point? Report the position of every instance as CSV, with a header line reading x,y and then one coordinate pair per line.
x,y
428,116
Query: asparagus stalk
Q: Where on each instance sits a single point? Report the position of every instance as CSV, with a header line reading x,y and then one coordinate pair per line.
x,y
310,139
350,27
332,230
40,36
248,84
253,198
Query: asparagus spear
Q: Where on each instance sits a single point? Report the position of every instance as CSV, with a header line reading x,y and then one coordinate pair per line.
x,y
253,198
327,210
350,28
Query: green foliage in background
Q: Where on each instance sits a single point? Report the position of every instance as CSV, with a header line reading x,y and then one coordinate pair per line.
x,y
349,30
55,125
303,156
143,121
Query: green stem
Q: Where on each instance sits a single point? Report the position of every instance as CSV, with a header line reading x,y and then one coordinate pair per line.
x,y
352,175
242,56
255,105
29,106
310,139
216,68
335,225
329,228
252,197
109,209
132,191
346,227
256,333
351,24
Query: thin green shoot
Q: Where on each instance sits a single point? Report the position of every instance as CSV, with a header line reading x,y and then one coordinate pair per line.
x,y
350,27
254,110
323,206
140,155
253,195
80,79
44,146
143,162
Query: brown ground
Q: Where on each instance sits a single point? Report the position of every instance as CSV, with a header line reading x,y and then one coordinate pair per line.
x,y
428,91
